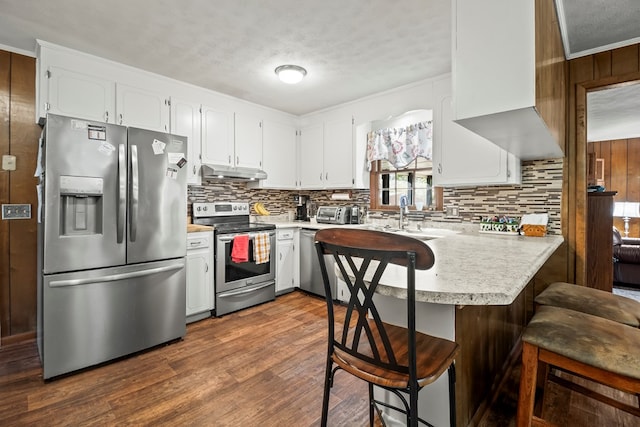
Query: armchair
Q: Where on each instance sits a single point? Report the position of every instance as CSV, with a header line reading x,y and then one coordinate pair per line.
x,y
626,259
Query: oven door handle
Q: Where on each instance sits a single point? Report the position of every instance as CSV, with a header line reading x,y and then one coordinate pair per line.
x,y
245,290
229,237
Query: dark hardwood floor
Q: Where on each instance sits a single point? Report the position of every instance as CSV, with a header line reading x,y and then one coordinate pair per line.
x,y
263,366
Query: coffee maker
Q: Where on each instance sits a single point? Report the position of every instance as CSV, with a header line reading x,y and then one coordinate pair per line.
x,y
301,207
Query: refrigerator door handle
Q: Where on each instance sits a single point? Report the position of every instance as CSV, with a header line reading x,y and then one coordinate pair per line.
x,y
122,191
115,277
134,193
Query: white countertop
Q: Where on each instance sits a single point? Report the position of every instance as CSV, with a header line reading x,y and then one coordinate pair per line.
x,y
474,269
471,268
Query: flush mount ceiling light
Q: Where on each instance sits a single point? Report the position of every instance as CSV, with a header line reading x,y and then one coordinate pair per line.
x,y
290,74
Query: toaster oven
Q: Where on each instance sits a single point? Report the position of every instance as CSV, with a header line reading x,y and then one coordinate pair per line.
x,y
333,215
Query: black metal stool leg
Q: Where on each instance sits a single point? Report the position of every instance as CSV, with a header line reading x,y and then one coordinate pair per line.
x,y
328,382
452,395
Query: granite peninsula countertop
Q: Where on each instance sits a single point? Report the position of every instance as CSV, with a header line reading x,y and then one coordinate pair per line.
x,y
474,269
471,268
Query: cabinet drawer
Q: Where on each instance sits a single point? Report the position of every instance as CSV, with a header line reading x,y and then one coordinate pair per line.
x,y
197,243
285,234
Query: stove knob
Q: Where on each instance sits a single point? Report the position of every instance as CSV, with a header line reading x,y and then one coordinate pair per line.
x,y
198,208
235,207
204,208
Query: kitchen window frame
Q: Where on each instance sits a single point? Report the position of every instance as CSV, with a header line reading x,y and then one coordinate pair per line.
x,y
375,190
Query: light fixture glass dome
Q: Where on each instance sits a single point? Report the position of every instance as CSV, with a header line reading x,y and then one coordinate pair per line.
x,y
290,74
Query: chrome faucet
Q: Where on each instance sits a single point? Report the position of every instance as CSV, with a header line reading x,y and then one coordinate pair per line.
x,y
404,208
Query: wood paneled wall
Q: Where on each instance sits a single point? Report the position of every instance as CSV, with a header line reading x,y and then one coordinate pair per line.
x,y
609,68
621,173
19,137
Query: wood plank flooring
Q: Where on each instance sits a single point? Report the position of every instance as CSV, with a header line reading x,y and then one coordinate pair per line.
x,y
263,366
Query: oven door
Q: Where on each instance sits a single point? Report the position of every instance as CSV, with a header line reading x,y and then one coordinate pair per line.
x,y
231,275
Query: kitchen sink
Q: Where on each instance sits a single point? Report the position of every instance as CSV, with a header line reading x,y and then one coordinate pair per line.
x,y
417,233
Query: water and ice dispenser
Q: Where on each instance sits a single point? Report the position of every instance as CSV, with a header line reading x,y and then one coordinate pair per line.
x,y
81,205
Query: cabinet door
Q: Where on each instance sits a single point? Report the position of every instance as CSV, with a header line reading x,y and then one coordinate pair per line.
x,y
311,155
217,136
279,156
338,153
248,141
142,108
185,121
80,95
465,157
198,282
285,265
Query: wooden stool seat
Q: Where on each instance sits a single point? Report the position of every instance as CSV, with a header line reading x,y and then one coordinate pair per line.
x,y
588,339
588,346
592,301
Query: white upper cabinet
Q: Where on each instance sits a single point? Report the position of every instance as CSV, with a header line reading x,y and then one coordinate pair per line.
x,y
185,121
279,155
217,136
509,75
327,154
79,95
311,170
142,108
463,158
248,141
338,153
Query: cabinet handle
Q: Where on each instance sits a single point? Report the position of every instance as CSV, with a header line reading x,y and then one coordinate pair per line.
x,y
280,256
194,169
106,117
206,267
326,176
229,158
320,176
237,160
120,118
439,168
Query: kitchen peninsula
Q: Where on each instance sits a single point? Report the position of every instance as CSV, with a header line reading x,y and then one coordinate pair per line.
x,y
478,294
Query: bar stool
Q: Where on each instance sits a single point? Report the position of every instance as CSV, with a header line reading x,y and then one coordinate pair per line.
x,y
397,359
592,347
591,301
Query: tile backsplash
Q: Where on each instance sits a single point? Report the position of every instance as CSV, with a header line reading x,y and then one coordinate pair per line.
x,y
540,191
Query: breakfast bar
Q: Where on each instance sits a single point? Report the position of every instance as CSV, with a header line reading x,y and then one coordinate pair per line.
x,y
477,294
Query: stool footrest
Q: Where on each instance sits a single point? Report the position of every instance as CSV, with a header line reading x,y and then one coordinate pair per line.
x,y
594,395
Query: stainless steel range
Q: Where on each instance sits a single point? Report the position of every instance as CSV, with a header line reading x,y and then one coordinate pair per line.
x,y
239,283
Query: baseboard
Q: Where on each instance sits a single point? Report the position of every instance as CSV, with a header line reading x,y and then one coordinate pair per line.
x,y
18,338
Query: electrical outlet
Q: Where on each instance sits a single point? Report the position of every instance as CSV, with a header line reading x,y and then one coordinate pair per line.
x,y
15,211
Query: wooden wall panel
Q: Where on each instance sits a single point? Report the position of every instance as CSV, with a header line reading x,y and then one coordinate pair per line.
x,y
618,169
5,94
588,73
551,72
24,145
19,137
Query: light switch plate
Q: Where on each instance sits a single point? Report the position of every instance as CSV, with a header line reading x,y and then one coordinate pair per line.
x,y
15,211
8,162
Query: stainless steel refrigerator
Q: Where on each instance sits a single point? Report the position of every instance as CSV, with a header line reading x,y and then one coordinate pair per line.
x,y
112,242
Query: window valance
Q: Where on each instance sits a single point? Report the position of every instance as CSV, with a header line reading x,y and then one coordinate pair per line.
x,y
400,146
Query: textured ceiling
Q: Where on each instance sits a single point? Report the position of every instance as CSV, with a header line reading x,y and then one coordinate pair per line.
x,y
614,113
350,48
589,26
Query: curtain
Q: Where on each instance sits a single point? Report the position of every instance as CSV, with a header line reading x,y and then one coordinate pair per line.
x,y
400,146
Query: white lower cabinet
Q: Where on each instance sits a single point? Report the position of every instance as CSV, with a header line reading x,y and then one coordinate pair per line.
x,y
200,276
288,260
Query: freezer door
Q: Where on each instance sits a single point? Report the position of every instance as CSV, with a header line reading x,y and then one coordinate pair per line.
x,y
94,316
85,167
157,196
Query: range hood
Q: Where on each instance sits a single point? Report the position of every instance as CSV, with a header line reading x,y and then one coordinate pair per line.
x,y
230,172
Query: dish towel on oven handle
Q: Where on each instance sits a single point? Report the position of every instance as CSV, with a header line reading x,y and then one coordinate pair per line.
x,y
261,248
240,250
